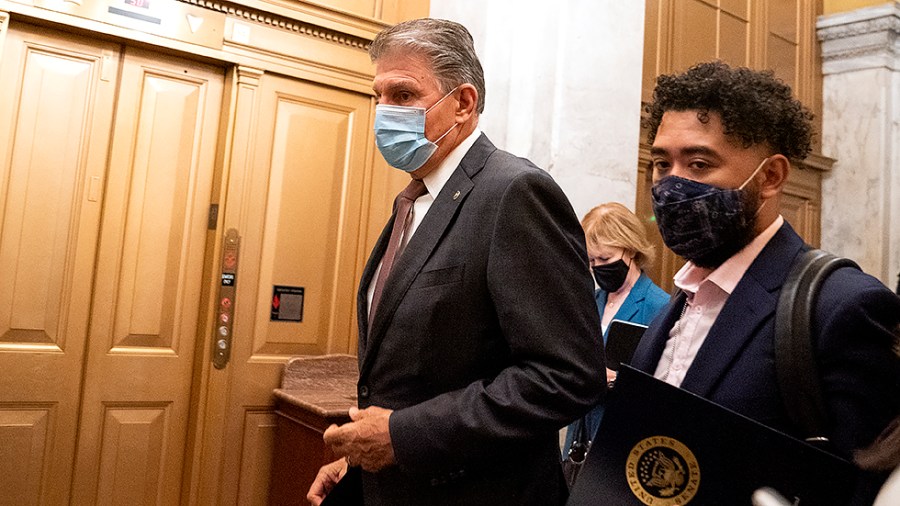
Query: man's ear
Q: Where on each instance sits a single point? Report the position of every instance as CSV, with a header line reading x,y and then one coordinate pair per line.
x,y
468,102
776,173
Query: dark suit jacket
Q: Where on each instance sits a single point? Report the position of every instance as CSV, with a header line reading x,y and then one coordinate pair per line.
x,y
483,342
852,329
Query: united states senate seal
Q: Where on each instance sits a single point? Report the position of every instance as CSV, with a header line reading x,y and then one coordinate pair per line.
x,y
662,471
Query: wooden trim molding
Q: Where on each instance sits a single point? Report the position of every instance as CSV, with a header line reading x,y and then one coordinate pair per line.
x,y
281,22
4,27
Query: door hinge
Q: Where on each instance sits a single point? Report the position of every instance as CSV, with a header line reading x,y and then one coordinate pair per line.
x,y
213,219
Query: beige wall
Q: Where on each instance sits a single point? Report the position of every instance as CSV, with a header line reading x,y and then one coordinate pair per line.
x,y
834,6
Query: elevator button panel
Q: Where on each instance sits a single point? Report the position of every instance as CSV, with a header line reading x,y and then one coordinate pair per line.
x,y
225,311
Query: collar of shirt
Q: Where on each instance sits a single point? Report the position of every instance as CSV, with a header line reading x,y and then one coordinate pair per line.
x,y
436,179
726,276
434,182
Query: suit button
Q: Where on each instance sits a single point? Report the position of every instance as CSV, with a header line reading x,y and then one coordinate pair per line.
x,y
363,392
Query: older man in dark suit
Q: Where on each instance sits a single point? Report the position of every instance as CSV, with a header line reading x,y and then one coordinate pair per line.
x,y
481,342
722,144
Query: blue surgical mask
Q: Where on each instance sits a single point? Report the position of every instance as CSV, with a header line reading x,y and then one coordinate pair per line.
x,y
400,135
703,223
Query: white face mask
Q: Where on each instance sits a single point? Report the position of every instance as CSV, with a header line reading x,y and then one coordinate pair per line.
x,y
400,135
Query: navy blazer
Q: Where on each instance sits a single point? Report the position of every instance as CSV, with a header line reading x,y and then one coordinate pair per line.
x,y
483,342
853,329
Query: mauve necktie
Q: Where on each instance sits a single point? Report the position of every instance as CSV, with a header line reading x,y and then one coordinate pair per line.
x,y
415,189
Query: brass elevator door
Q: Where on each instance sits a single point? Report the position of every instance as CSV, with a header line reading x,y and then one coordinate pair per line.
x,y
107,163
56,104
299,207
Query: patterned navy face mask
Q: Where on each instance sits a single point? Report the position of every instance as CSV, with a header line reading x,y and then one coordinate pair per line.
x,y
703,223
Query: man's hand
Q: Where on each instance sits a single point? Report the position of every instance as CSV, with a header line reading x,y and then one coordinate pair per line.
x,y
365,441
610,377
328,476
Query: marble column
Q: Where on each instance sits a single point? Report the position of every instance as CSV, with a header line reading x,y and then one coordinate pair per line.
x,y
861,130
563,86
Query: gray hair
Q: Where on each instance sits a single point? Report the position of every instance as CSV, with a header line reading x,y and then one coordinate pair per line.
x,y
446,45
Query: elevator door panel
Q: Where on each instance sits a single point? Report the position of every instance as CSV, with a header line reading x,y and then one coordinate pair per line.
x,y
56,109
146,297
301,229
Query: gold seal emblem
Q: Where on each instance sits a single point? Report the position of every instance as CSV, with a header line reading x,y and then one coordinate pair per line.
x,y
662,471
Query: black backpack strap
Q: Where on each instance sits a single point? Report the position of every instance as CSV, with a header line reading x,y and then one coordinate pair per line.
x,y
795,363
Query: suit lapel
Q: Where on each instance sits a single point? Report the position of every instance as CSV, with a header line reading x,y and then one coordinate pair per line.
x,y
746,309
426,238
633,302
753,300
750,305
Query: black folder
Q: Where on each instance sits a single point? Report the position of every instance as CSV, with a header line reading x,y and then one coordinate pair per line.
x,y
621,340
662,445
347,491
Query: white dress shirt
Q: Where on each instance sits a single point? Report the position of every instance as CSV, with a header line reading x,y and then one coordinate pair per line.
x,y
434,183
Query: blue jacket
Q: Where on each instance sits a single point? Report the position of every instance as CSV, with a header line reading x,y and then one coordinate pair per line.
x,y
643,303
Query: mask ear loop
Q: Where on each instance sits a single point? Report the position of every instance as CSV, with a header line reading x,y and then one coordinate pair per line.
x,y
442,99
755,172
435,105
445,133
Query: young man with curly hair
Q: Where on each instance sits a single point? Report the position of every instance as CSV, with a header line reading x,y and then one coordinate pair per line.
x,y
723,140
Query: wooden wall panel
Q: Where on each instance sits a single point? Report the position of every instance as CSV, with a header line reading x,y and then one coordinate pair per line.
x,y
156,233
695,37
39,206
307,221
132,454
801,203
734,42
26,436
361,7
758,34
256,457
781,57
782,19
300,204
737,8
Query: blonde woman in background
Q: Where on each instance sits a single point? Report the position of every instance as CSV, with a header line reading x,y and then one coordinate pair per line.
x,y
618,250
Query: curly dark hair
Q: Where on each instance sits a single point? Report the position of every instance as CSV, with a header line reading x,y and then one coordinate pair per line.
x,y
755,106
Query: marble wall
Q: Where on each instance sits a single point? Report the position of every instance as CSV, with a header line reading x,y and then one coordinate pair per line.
x,y
563,86
861,130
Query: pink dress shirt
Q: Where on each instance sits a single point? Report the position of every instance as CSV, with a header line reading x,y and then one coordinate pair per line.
x,y
707,291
